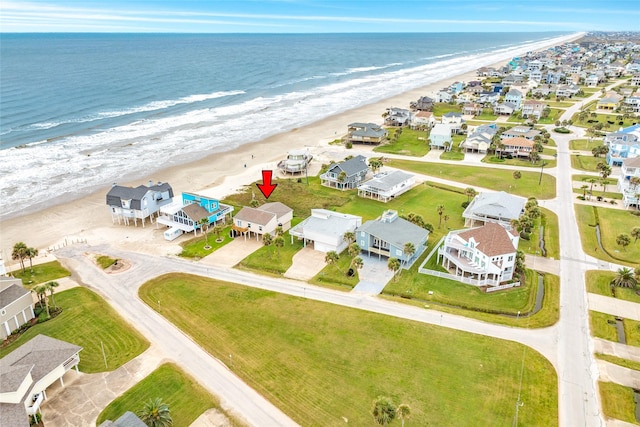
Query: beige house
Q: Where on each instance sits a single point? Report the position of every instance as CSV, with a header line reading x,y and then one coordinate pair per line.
x,y
16,306
27,372
262,220
517,147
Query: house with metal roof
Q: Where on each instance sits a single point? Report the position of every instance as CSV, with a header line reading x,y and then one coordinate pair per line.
x,y
480,256
27,372
347,174
188,215
440,137
385,186
262,220
325,229
139,203
387,236
16,306
500,207
366,133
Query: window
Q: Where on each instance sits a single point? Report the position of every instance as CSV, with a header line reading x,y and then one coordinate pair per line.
x,y
398,252
239,223
510,258
259,228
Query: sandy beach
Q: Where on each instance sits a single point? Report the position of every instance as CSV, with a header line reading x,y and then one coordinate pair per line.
x,y
216,175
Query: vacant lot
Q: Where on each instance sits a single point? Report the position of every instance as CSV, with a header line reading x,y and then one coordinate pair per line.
x,y
41,273
322,363
409,143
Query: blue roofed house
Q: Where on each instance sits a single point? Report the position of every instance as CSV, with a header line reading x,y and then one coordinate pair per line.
x,y
387,236
440,137
347,174
192,214
623,144
515,97
139,203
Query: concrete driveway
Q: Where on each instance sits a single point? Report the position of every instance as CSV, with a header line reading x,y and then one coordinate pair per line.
x,y
306,264
232,253
374,275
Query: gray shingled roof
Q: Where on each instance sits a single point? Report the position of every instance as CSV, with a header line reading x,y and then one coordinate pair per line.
x,y
128,419
117,193
498,205
277,208
195,212
398,232
11,294
255,216
352,166
13,414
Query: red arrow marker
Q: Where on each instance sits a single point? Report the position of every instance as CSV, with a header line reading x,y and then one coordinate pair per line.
x,y
267,188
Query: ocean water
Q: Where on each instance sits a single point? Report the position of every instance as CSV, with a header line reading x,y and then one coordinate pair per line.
x,y
80,111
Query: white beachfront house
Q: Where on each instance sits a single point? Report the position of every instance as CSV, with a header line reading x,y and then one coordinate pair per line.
x,y
297,161
139,203
325,229
500,207
482,255
386,185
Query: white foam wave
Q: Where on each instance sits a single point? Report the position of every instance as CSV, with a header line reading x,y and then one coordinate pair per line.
x,y
79,163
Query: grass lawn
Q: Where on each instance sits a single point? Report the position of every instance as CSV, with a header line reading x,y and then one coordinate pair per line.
x,y
492,178
88,321
335,276
607,195
195,248
586,163
612,223
441,108
560,104
613,121
584,144
105,261
598,283
617,402
551,233
269,259
321,362
487,114
525,163
601,328
410,143
455,153
554,115
586,178
631,364
186,398
42,273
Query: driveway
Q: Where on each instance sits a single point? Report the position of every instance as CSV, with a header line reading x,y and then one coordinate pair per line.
x,y
232,253
307,262
374,275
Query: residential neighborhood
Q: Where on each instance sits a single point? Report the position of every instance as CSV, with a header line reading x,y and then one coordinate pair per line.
x,y
499,216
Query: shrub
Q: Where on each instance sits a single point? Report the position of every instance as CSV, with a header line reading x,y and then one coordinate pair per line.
x,y
581,198
613,202
525,236
349,145
561,130
599,198
465,204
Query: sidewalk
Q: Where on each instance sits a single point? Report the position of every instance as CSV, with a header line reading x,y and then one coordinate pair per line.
x,y
614,306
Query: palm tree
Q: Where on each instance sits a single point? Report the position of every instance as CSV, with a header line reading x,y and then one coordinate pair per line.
x,y
19,253
353,250
591,181
470,192
375,164
52,286
41,291
623,240
349,237
408,250
254,203
383,411
278,242
534,157
267,240
440,210
403,411
584,191
394,265
332,257
31,253
625,278
342,177
516,176
635,233
357,263
154,413
217,230
203,223
634,183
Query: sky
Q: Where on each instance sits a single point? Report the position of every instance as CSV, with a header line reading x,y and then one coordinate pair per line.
x,y
317,16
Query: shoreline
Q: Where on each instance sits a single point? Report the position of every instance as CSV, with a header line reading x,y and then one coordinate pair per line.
x,y
217,175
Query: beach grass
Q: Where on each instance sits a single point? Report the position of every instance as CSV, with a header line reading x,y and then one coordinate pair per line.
x,y
41,273
88,321
492,178
442,108
617,401
612,223
411,142
598,282
203,245
186,399
322,363
586,163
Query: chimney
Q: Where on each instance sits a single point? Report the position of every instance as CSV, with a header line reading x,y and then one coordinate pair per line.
x,y
150,183
114,184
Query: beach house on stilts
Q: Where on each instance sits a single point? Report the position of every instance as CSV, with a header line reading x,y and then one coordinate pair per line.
x,y
139,203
